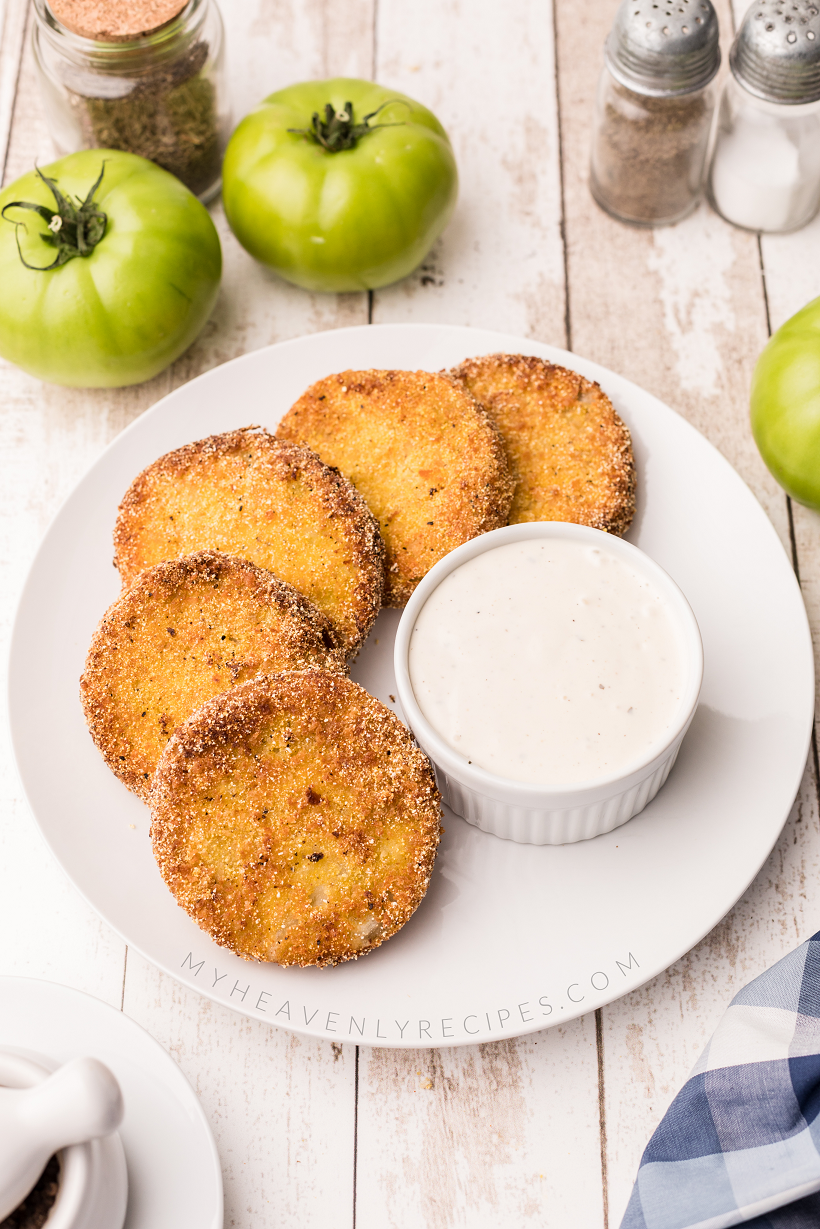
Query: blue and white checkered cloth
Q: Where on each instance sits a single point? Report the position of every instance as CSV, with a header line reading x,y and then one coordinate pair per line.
x,y
740,1144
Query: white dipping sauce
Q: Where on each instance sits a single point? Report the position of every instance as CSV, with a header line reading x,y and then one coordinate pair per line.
x,y
548,661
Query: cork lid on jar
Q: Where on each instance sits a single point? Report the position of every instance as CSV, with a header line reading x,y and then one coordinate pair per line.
x,y
114,21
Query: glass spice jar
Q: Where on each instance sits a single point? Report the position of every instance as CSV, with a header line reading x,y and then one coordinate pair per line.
x,y
654,110
108,84
765,168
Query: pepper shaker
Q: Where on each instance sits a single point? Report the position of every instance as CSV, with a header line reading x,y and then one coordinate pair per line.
x,y
765,168
654,110
144,76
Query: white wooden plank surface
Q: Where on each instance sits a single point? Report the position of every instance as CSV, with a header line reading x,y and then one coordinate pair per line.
x,y
510,1131
465,1137
282,1107
487,70
678,309
12,31
277,1168
505,1133
48,930
652,1038
792,267
692,297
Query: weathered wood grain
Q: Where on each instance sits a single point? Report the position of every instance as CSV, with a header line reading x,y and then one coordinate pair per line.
x,y
13,14
481,1136
48,930
653,1037
487,71
507,1132
281,1107
510,1131
681,310
261,1088
792,267
678,309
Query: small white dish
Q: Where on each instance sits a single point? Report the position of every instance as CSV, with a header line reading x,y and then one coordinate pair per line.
x,y
174,1174
540,814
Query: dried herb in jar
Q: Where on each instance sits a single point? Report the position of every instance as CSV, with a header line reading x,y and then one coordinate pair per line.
x,y
168,114
35,1209
143,76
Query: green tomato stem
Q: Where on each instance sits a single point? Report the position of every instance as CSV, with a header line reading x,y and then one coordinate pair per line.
x,y
74,230
338,131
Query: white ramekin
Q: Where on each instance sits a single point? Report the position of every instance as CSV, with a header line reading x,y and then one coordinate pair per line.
x,y
533,814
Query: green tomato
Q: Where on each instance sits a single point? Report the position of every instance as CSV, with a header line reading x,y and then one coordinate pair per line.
x,y
785,405
125,310
335,201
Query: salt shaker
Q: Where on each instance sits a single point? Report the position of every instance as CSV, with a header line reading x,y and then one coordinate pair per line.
x,y
146,76
654,110
765,168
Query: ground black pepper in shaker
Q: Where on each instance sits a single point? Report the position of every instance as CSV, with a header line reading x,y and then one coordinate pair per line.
x,y
654,110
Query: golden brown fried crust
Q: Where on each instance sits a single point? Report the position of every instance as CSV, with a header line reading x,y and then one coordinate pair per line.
x,y
184,632
570,453
296,820
248,494
422,452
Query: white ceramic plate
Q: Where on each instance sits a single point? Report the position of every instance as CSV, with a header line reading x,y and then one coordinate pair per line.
x,y
174,1175
511,938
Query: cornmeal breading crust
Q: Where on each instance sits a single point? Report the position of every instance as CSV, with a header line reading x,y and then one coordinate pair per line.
x,y
422,452
296,820
185,632
248,494
570,452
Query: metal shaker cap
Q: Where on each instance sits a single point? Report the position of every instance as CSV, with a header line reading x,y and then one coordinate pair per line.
x,y
776,54
664,49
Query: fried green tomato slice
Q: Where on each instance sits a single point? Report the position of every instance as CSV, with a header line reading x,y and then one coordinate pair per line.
x,y
295,820
247,494
184,632
570,452
422,452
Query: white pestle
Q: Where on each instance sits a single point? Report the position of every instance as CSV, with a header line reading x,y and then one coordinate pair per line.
x,y
79,1102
